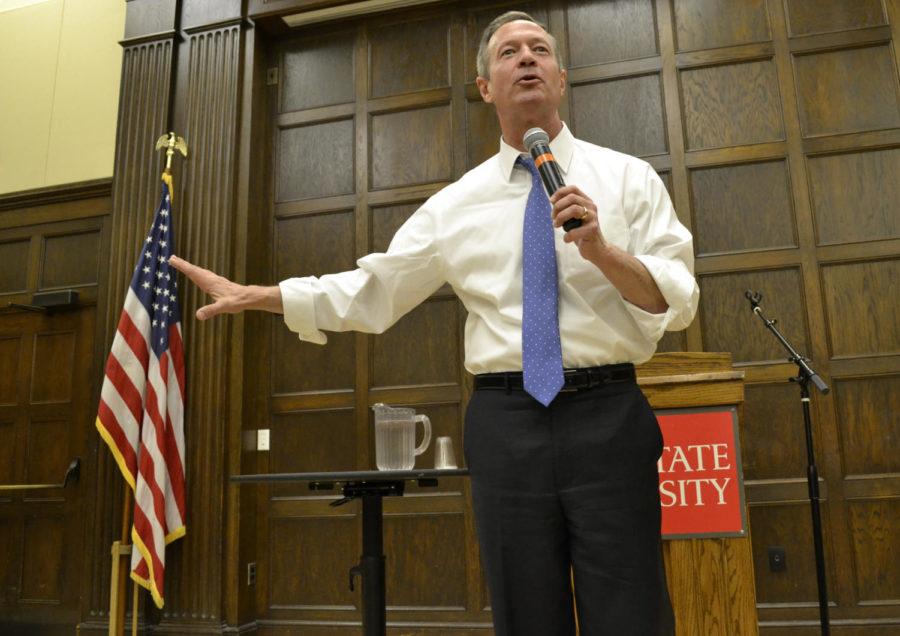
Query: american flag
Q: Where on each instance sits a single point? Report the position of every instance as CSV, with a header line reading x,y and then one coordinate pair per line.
x,y
141,412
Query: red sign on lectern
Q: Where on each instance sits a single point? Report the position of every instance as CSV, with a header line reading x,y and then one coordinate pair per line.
x,y
701,484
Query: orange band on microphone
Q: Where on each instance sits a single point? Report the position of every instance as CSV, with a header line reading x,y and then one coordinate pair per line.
x,y
542,158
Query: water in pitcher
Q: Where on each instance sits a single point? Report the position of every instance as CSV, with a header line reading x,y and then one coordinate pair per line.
x,y
395,445
395,437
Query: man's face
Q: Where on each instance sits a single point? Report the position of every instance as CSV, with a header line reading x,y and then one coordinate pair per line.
x,y
524,71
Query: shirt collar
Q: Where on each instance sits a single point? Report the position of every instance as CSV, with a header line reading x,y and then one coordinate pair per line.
x,y
562,146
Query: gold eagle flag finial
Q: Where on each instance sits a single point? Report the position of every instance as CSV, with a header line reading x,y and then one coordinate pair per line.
x,y
172,143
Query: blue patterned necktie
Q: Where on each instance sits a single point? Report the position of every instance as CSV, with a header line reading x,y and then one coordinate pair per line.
x,y
541,351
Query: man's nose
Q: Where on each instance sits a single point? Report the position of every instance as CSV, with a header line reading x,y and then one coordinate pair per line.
x,y
526,57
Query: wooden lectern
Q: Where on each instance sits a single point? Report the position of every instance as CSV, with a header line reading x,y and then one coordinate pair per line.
x,y
710,580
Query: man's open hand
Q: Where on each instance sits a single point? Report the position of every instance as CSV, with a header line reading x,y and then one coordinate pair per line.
x,y
229,297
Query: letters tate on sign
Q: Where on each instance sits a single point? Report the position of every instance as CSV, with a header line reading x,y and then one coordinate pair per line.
x,y
701,484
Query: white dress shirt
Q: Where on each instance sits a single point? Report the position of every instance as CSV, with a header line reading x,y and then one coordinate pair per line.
x,y
470,235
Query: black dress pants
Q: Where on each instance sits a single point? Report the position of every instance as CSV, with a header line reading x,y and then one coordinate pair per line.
x,y
573,485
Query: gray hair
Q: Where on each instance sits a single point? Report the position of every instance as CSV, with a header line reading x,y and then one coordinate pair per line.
x,y
483,62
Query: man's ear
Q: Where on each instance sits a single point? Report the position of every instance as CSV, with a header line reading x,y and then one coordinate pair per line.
x,y
563,77
484,87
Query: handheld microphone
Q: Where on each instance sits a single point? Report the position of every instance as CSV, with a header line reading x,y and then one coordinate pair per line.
x,y
538,143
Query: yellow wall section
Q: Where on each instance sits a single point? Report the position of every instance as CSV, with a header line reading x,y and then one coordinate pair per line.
x,y
60,65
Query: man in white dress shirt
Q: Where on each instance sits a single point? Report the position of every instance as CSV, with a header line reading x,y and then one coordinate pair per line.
x,y
564,485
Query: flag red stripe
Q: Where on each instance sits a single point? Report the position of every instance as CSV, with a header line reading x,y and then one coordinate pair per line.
x,y
176,350
147,461
132,335
111,424
145,530
125,387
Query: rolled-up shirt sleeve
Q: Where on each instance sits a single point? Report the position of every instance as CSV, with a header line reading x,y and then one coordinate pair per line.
x,y
665,247
371,298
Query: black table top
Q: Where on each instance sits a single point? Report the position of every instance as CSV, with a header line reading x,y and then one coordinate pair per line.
x,y
352,476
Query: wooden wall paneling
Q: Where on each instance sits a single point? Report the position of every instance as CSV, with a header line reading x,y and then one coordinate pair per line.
x,y
825,433
855,196
728,325
876,553
311,441
411,55
203,209
623,114
734,23
806,17
399,156
312,245
306,85
70,260
14,256
860,85
868,288
774,446
600,32
742,208
868,418
677,183
788,525
731,105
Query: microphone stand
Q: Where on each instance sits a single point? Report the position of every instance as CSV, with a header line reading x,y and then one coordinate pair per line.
x,y
805,375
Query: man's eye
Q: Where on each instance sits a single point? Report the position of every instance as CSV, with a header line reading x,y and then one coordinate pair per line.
x,y
506,51
542,49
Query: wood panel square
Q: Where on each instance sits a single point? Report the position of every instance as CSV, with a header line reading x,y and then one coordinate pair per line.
x,y
312,246
773,443
731,105
9,371
421,348
728,324
411,147
479,19
409,56
623,114
861,307
482,133
868,413
302,367
71,259
427,561
311,442
52,365
315,161
11,564
610,31
856,196
873,528
42,558
318,72
14,273
707,24
824,16
790,527
743,207
47,452
9,454
304,555
847,91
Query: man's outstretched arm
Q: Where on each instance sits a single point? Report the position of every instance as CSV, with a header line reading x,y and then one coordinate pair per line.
x,y
229,297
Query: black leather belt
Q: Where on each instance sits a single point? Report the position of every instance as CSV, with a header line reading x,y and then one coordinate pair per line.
x,y
573,379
